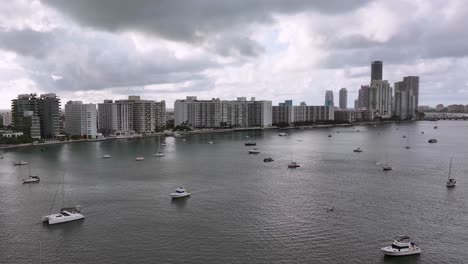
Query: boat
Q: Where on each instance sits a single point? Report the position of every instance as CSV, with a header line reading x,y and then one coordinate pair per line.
x,y
402,246
358,150
329,135
451,182
159,154
31,178
180,192
106,156
386,167
250,143
293,165
1,156
20,163
436,127
268,160
282,134
331,209
432,140
422,132
66,214
254,151
407,147
211,142
163,144
140,159
403,136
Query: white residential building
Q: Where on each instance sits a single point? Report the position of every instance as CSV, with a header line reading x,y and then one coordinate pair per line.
x,y
6,118
380,98
81,119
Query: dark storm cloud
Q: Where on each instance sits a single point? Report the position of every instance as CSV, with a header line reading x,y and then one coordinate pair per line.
x,y
87,61
193,21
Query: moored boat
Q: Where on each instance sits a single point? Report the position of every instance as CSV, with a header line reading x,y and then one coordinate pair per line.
x,y
254,151
180,192
66,215
401,246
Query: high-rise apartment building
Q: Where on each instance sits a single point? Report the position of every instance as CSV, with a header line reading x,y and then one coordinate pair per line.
x,y
81,119
406,97
363,97
124,117
343,98
380,98
107,117
6,118
283,113
376,71
329,98
25,115
305,113
49,113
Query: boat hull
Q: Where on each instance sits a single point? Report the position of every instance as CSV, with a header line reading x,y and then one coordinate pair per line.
x,y
57,219
179,195
389,251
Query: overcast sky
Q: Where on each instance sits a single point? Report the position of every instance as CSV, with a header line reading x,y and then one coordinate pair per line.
x,y
92,50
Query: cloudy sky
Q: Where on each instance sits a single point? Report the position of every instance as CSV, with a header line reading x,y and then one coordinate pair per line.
x,y
92,50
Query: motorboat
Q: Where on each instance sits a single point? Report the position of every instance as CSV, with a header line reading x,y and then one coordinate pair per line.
x,y
451,182
32,179
329,135
140,159
432,140
254,151
387,167
180,192
407,147
1,156
250,143
435,127
106,156
159,154
358,150
268,160
293,165
403,136
163,144
402,246
65,215
282,134
21,163
422,132
211,142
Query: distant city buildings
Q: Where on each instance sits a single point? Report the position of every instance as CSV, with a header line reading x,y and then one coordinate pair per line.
x,y
363,97
6,118
406,97
343,98
329,98
354,115
49,113
380,98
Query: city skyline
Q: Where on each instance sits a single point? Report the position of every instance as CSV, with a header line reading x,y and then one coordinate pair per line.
x,y
256,54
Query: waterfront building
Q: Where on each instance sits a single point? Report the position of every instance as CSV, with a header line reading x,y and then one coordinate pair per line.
x,y
6,118
124,117
376,71
49,113
329,98
81,119
25,115
305,113
356,115
107,117
343,98
456,108
363,97
380,98
283,113
406,98
440,108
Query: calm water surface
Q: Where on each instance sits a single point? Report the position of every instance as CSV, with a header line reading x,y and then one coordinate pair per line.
x,y
241,209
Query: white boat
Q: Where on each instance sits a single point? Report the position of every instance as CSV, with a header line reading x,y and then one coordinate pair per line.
x,y
106,156
451,182
21,163
1,156
31,178
358,150
211,142
180,192
402,246
386,167
65,215
254,151
140,158
282,134
293,165
159,154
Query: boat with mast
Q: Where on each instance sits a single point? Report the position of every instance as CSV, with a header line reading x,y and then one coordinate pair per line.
x,y
386,166
31,178
293,164
251,142
451,182
159,154
66,214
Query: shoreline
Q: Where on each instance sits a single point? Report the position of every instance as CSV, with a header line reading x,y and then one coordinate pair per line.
x,y
200,131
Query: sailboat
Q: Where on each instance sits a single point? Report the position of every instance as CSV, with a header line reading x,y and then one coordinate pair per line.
x,y
451,182
67,214
159,154
407,143
293,164
250,142
435,127
106,156
31,178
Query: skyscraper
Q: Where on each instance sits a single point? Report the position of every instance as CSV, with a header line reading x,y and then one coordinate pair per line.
x,y
49,113
107,117
80,119
343,98
25,115
329,98
376,71
406,97
363,98
380,98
